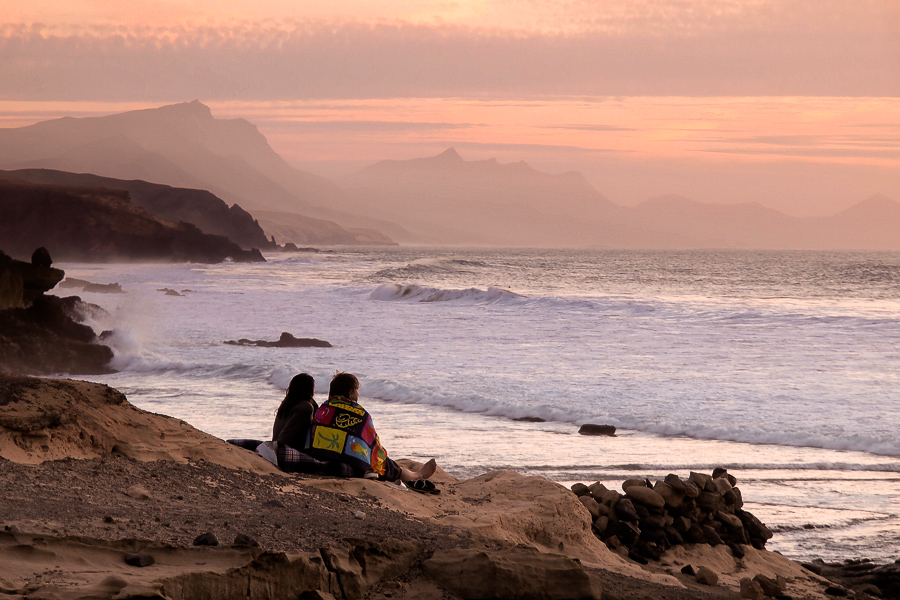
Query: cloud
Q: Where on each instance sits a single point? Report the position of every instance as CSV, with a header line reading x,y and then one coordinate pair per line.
x,y
376,126
590,127
306,59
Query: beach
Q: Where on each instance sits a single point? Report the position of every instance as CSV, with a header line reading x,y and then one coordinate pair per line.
x,y
776,365
146,485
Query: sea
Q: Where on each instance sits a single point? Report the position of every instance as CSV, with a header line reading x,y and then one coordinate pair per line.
x,y
782,367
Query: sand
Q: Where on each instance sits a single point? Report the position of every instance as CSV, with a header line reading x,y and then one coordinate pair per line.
x,y
86,478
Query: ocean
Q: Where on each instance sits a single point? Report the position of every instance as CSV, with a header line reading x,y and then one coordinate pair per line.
x,y
780,366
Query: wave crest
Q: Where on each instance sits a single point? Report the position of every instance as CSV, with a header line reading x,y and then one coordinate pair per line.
x,y
412,292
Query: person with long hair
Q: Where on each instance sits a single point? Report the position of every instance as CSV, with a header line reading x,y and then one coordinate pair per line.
x,y
294,415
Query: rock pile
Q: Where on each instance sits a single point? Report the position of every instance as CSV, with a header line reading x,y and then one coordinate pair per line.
x,y
651,517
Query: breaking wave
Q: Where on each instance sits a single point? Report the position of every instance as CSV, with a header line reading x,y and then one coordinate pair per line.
x,y
412,292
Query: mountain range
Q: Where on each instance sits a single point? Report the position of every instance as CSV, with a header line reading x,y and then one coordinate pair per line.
x,y
442,199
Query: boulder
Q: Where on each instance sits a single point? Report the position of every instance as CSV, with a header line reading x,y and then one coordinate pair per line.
x,y
691,489
699,479
624,509
755,528
579,489
672,497
286,340
592,505
206,539
592,429
770,586
610,497
751,589
645,496
139,560
675,482
597,490
707,576
510,574
730,520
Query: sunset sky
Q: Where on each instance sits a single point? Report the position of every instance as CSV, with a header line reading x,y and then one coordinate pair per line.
x,y
793,104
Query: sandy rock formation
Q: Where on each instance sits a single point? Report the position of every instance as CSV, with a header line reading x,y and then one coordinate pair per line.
x,y
500,535
53,419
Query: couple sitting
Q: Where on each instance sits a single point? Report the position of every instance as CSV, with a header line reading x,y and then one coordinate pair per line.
x,y
337,438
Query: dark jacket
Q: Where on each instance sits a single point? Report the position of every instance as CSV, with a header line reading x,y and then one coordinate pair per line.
x,y
293,428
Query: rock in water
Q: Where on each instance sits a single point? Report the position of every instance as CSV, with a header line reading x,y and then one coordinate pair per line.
x,y
592,429
285,341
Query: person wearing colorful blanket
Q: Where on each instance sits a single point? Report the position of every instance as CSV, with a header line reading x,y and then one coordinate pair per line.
x,y
343,430
290,434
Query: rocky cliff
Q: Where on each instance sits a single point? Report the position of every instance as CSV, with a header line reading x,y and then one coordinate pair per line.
x,y
198,207
43,334
97,224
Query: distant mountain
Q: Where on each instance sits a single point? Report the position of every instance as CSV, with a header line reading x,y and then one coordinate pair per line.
x,y
180,145
438,199
99,224
873,224
452,200
447,199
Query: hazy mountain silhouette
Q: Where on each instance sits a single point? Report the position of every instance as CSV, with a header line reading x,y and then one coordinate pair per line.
x,y
483,202
181,145
438,199
446,199
873,224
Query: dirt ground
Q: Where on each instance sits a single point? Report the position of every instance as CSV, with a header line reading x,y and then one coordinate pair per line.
x,y
96,499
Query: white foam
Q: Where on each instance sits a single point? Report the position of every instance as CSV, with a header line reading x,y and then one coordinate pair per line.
x,y
412,292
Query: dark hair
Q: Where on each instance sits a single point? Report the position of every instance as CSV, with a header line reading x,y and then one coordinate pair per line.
x,y
301,389
342,384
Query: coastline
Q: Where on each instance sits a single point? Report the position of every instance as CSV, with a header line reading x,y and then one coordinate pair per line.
x,y
73,453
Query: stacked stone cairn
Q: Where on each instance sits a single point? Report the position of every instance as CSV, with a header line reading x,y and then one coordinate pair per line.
x,y
649,518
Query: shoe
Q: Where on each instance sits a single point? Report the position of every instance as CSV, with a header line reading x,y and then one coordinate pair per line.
x,y
424,486
269,451
370,475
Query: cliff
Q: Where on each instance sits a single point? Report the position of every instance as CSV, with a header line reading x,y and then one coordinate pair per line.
x,y
198,207
97,224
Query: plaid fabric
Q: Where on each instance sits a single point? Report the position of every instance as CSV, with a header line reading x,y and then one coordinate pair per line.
x,y
248,444
294,461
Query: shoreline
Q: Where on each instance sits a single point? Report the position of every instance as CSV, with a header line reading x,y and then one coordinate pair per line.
x,y
77,473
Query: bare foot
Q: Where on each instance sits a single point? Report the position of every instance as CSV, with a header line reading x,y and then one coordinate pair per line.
x,y
427,469
425,472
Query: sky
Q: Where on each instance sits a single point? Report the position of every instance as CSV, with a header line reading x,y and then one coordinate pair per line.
x,y
794,104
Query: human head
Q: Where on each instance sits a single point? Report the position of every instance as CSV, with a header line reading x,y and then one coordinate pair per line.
x,y
342,384
302,387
